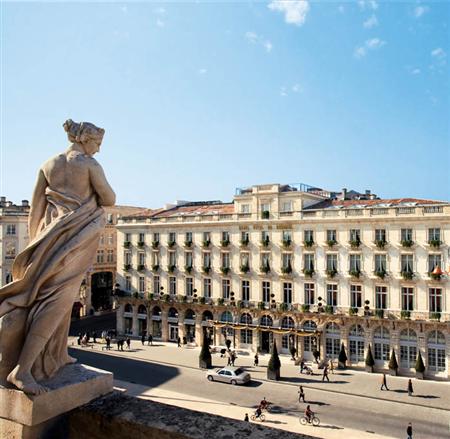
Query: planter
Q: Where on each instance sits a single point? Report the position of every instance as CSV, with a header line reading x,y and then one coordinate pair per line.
x,y
273,374
369,369
204,364
393,372
341,365
420,375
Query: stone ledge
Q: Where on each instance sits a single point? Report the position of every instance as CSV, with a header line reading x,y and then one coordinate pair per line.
x,y
73,386
118,416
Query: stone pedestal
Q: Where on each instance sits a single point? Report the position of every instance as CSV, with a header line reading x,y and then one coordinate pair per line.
x,y
43,416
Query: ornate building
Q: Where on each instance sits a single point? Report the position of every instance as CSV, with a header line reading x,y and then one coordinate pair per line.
x,y
298,265
13,235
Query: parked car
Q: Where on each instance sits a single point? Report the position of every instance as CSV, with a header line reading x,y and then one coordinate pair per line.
x,y
230,375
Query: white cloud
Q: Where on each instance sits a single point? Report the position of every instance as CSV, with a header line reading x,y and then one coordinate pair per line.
x,y
370,4
202,71
295,11
296,88
124,9
371,22
420,10
254,38
438,53
341,9
372,44
283,91
160,11
160,23
415,72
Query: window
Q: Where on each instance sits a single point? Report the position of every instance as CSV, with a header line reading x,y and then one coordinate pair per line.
x,y
10,229
245,259
434,234
408,348
309,343
226,288
155,258
188,259
407,263
356,341
110,239
406,235
225,236
435,296
141,284
286,261
245,208
206,237
287,292
245,236
381,344
206,287
355,296
172,237
265,259
332,340
127,258
309,293
127,283
246,336
433,262
189,284
309,261
380,263
287,235
225,260
266,291
436,351
127,237
141,258
110,256
100,256
265,207
102,240
172,285
142,237
265,236
286,206
266,321
156,285
355,263
407,299
245,289
172,259
331,235
381,297
355,235
188,237
332,290
380,235
308,235
156,237
110,218
332,262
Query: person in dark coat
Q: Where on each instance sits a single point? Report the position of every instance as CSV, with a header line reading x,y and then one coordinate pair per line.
x,y
143,338
325,374
301,394
409,431
410,387
256,360
150,340
179,342
383,382
128,342
246,418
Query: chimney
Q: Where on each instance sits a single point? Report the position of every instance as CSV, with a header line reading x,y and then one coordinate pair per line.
x,y
344,193
367,193
25,203
2,200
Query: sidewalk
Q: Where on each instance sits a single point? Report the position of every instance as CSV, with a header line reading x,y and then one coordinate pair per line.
x,y
431,394
283,422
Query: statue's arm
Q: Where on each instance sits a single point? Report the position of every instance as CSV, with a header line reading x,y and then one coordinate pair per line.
x,y
105,194
38,204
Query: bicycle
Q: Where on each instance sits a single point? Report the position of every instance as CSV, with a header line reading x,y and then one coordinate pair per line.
x,y
314,421
261,417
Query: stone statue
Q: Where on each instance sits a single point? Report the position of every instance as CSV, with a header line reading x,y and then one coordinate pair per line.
x,y
65,222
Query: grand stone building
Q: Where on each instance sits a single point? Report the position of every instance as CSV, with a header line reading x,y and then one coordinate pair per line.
x,y
298,265
13,235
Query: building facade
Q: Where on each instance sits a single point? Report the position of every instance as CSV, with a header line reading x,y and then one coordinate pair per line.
x,y
13,235
298,265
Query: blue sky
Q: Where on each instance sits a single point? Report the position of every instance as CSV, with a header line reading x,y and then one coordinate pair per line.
x,y
200,98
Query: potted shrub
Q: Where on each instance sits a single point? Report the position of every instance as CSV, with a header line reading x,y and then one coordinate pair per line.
x,y
220,301
225,242
370,362
436,243
380,243
420,367
329,309
205,361
407,243
308,272
244,268
407,275
273,368
305,308
355,273
286,242
331,243
308,243
155,268
404,314
206,269
287,269
225,270
265,214
355,243
393,365
342,358
244,242
331,273
155,244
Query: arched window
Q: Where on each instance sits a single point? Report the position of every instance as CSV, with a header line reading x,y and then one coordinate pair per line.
x,y
287,323
333,329
266,321
381,345
332,340
309,343
189,315
356,342
156,311
436,351
226,317
142,309
207,315
356,331
128,308
408,348
246,319
173,313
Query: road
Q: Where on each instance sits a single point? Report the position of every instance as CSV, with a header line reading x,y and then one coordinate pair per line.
x,y
337,410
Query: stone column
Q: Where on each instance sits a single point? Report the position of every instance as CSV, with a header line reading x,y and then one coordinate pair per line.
x,y
181,328
255,340
164,325
119,321
198,329
135,327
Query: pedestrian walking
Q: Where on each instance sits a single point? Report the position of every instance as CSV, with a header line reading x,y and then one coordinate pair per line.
x,y
94,337
410,388
143,338
150,340
179,342
79,339
293,352
409,431
301,394
302,366
331,366
233,358
108,342
316,355
383,382
128,342
325,374
246,418
256,360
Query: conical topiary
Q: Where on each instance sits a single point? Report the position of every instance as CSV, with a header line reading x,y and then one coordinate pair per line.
x,y
342,359
393,361
205,360
420,367
370,362
273,368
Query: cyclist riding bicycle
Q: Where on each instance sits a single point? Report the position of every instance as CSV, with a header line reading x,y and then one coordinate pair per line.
x,y
258,412
309,414
264,404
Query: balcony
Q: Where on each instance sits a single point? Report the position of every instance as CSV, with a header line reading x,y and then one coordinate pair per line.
x,y
287,270
265,242
171,244
244,268
141,267
355,273
435,243
188,243
308,243
127,267
435,315
206,243
286,243
155,268
331,273
155,244
127,244
171,268
381,274
206,269
225,270
407,243
380,243
331,243
308,272
141,244
244,242
265,268
188,269
407,275
225,243
355,243
405,314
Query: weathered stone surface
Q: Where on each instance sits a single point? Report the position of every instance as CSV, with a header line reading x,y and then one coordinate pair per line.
x,y
118,416
73,386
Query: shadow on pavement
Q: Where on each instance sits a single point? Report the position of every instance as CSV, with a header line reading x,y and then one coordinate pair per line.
x,y
428,396
254,383
302,380
268,421
331,427
319,403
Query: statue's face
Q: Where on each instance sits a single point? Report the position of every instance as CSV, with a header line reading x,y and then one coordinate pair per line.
x,y
92,146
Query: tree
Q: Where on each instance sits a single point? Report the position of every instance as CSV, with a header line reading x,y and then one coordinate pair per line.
x,y
273,368
420,367
393,361
342,359
205,360
370,362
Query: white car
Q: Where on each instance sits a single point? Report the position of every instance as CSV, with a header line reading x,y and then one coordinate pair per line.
x,y
230,375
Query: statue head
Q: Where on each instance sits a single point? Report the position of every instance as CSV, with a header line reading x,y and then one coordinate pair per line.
x,y
85,134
